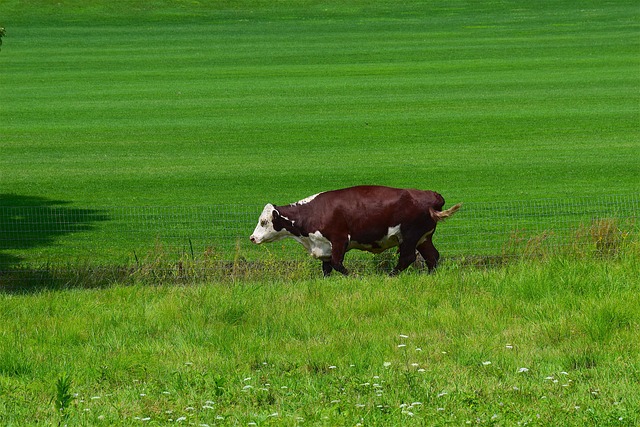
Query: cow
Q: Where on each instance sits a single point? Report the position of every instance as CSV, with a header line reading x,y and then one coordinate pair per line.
x,y
369,217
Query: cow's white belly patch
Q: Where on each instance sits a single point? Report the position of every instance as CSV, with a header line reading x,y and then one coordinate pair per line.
x,y
391,239
319,246
316,244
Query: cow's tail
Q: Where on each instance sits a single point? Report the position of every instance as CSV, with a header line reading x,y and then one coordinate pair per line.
x,y
442,215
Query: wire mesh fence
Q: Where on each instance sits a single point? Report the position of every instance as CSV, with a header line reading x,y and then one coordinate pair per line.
x,y
38,240
516,228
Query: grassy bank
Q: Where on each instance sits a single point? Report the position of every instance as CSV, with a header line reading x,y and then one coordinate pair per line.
x,y
537,343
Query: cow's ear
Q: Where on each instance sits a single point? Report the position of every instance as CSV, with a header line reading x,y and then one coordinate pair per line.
x,y
276,220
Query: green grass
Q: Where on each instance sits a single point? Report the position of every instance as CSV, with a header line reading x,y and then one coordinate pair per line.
x,y
187,104
181,104
334,352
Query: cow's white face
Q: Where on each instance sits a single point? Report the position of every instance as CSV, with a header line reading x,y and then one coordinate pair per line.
x,y
265,232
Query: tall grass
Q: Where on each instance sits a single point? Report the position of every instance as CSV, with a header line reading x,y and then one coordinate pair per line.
x,y
540,343
607,238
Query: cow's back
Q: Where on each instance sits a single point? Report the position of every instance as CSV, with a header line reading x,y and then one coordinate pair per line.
x,y
365,213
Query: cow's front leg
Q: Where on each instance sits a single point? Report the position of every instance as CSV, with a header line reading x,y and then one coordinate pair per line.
x,y
338,249
326,268
405,259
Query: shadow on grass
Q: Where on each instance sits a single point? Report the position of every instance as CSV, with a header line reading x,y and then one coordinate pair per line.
x,y
28,223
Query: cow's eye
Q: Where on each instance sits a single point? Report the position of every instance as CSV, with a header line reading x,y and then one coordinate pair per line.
x,y
263,223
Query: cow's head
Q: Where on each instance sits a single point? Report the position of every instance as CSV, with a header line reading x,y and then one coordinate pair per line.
x,y
269,228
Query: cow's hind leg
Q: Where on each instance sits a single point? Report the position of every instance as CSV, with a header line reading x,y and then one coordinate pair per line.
x,y
338,249
405,259
429,253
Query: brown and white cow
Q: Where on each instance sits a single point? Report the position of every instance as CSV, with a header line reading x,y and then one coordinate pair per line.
x,y
369,218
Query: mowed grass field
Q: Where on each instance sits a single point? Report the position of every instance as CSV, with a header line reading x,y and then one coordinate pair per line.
x,y
175,103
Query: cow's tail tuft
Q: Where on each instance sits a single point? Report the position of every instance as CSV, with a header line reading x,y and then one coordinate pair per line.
x,y
442,215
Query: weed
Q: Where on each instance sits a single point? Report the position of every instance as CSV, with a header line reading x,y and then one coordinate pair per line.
x,y
63,398
607,237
